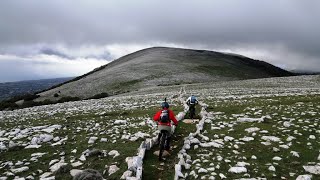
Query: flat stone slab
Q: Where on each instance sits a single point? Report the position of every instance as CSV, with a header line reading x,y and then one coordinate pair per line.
x,y
190,121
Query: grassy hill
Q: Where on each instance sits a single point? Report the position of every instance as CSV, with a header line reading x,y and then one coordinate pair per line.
x,y
162,66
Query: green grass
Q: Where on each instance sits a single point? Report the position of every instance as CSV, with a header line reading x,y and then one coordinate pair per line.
x,y
290,107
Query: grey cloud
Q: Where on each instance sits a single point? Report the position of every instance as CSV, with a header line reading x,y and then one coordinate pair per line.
x,y
50,51
229,24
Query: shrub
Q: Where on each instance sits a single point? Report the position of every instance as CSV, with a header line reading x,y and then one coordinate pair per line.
x,y
30,97
67,99
56,95
98,96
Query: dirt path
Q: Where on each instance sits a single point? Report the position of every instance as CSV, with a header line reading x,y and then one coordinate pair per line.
x,y
153,168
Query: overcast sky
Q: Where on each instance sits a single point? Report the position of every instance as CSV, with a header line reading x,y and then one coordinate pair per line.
x,y
47,39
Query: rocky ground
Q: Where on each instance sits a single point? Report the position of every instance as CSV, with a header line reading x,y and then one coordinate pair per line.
x,y
246,131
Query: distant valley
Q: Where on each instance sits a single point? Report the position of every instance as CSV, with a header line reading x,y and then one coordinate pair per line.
x,y
11,89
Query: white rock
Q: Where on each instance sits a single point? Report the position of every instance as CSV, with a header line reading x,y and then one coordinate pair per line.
x,y
242,164
53,161
286,124
237,170
44,175
228,138
284,146
114,153
252,129
32,146
113,169
211,144
290,138
271,138
118,122
37,154
277,158
57,166
250,119
195,141
247,139
312,137
74,172
304,177
202,170
272,168
92,140
2,146
76,164
178,172
312,169
253,157
294,153
28,177
21,169
104,140
222,176
126,174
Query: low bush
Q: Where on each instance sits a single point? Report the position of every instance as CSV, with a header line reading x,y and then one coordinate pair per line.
x,y
98,96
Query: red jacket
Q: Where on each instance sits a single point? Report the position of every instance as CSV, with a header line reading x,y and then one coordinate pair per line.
x,y
172,117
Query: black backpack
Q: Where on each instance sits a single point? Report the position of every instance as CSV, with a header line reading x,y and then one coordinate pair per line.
x,y
164,116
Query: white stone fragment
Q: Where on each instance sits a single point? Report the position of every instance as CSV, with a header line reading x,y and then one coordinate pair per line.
x,y
114,153
304,177
44,175
228,138
31,146
246,139
242,164
251,119
92,140
57,166
272,168
202,170
237,170
103,140
312,137
126,174
74,172
118,122
312,169
252,129
277,158
222,176
19,170
83,157
76,164
178,172
113,169
294,153
53,161
271,138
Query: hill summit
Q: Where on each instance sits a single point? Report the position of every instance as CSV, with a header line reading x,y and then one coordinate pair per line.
x,y
162,66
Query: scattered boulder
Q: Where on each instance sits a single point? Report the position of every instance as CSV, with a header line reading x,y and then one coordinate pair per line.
x,y
88,174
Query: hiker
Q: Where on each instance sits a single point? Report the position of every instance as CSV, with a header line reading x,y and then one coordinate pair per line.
x,y
192,102
164,118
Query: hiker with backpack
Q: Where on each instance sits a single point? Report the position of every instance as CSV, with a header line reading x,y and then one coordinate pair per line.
x,y
192,102
164,118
